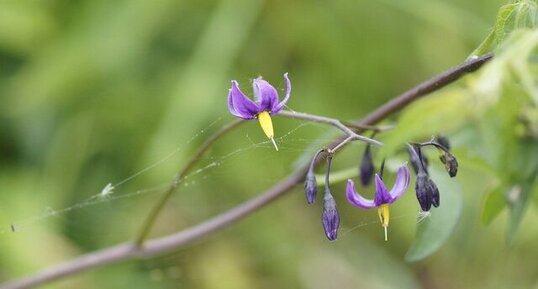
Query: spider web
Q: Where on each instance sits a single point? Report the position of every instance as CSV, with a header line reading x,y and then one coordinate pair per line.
x,y
115,196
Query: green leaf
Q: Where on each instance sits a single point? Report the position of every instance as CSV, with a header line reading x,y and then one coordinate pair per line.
x,y
514,16
434,231
505,13
510,17
494,203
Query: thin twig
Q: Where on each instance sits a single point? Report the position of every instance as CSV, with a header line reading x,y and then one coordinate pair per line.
x,y
340,145
332,121
162,245
431,142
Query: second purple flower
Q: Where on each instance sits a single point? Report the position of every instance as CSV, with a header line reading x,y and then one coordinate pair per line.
x,y
383,197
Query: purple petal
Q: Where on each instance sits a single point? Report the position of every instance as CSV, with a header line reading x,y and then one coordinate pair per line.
x,y
279,106
401,184
382,195
239,104
265,94
355,199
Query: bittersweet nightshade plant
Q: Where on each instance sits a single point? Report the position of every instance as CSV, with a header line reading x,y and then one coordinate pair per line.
x,y
383,197
265,104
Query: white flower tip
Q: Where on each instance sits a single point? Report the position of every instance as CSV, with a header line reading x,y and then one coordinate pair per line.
x,y
274,143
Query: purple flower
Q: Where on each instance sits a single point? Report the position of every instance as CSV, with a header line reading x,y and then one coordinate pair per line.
x,y
383,197
265,104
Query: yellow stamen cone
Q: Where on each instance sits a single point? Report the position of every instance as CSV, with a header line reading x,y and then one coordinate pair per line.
x,y
383,212
267,126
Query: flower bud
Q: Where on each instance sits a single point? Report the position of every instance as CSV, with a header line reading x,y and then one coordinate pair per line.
x,y
423,190
366,169
330,217
310,183
310,187
450,162
427,192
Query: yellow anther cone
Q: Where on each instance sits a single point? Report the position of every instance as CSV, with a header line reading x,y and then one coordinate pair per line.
x,y
383,212
267,126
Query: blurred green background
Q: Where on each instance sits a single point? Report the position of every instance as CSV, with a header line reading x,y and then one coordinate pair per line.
x,y
122,92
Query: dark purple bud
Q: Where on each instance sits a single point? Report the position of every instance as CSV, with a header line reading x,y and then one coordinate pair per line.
x,y
366,169
451,164
427,192
443,140
310,187
330,218
310,183
424,196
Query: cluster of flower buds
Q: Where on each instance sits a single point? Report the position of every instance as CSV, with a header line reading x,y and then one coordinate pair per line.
x,y
383,197
426,189
329,217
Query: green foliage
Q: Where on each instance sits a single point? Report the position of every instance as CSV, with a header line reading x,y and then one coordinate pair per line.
x,y
519,15
498,102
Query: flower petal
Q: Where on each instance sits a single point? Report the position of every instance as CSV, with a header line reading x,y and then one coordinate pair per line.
x,y
355,199
239,104
265,94
279,106
401,184
382,195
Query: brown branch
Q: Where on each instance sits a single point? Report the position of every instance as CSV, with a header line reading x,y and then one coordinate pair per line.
x,y
162,245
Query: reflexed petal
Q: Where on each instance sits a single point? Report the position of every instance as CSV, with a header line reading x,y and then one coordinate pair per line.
x,y
265,94
355,199
382,195
401,184
280,105
239,104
